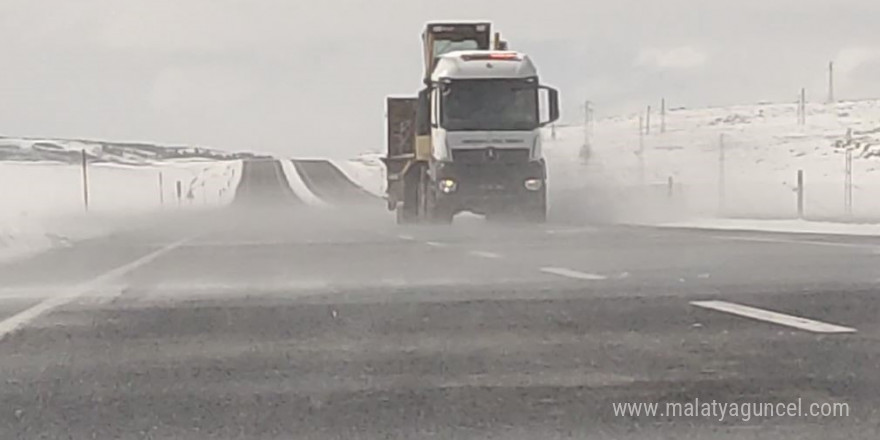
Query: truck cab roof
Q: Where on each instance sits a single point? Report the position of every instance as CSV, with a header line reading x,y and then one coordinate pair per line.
x,y
483,64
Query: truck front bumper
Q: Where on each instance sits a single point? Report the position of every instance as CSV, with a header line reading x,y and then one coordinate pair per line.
x,y
485,188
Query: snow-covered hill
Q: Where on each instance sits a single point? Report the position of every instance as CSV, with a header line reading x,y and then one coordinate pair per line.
x,y
70,151
763,149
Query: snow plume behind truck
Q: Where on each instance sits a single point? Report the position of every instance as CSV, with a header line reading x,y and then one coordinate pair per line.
x,y
471,139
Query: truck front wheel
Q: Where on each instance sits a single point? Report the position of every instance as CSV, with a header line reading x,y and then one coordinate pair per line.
x,y
537,212
438,212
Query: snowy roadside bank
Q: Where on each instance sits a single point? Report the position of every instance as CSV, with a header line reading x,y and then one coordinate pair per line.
x,y
42,203
780,226
25,236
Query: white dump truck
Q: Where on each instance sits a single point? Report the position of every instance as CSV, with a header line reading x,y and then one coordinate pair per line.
x,y
471,141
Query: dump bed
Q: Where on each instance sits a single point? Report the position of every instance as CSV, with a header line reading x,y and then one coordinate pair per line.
x,y
401,126
401,138
441,38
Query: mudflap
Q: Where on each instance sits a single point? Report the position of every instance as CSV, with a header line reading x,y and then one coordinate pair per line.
x,y
410,210
438,212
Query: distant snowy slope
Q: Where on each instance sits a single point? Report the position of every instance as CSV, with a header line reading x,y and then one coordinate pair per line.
x,y
763,150
70,151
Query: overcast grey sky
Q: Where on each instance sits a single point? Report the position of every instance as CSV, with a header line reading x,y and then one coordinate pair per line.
x,y
308,78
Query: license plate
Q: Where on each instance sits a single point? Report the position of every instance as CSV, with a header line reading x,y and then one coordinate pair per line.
x,y
492,187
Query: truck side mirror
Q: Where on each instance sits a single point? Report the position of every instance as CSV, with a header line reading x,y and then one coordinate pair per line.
x,y
435,105
423,112
552,106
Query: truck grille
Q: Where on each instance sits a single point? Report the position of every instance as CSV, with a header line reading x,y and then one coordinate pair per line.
x,y
490,155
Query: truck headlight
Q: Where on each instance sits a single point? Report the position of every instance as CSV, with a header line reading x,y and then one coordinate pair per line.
x,y
448,186
533,184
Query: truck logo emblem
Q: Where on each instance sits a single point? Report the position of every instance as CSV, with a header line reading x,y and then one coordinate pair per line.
x,y
490,153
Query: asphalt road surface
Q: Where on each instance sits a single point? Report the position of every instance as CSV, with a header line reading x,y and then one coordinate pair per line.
x,y
273,321
263,182
330,184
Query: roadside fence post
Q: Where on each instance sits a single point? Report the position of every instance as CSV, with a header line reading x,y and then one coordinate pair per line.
x,y
800,194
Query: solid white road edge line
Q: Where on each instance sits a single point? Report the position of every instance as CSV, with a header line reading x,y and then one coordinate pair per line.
x,y
803,242
774,317
298,185
13,323
561,271
572,230
485,254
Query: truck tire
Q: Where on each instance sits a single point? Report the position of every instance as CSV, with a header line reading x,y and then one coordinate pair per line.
x,y
436,212
408,210
403,216
537,213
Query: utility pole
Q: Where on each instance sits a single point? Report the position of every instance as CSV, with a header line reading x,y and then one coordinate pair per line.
x,y
663,115
848,175
588,122
85,179
648,121
848,183
722,180
641,153
800,194
831,82
802,107
161,190
586,148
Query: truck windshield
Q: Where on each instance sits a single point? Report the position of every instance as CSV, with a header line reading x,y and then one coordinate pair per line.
x,y
445,46
490,105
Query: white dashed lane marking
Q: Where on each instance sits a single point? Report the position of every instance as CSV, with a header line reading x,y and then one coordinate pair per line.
x,y
436,244
561,271
485,254
773,317
585,229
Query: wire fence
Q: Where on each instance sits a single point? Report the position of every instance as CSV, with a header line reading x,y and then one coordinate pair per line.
x,y
782,161
91,185
833,188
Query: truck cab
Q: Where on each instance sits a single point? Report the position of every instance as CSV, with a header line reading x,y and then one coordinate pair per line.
x,y
480,117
